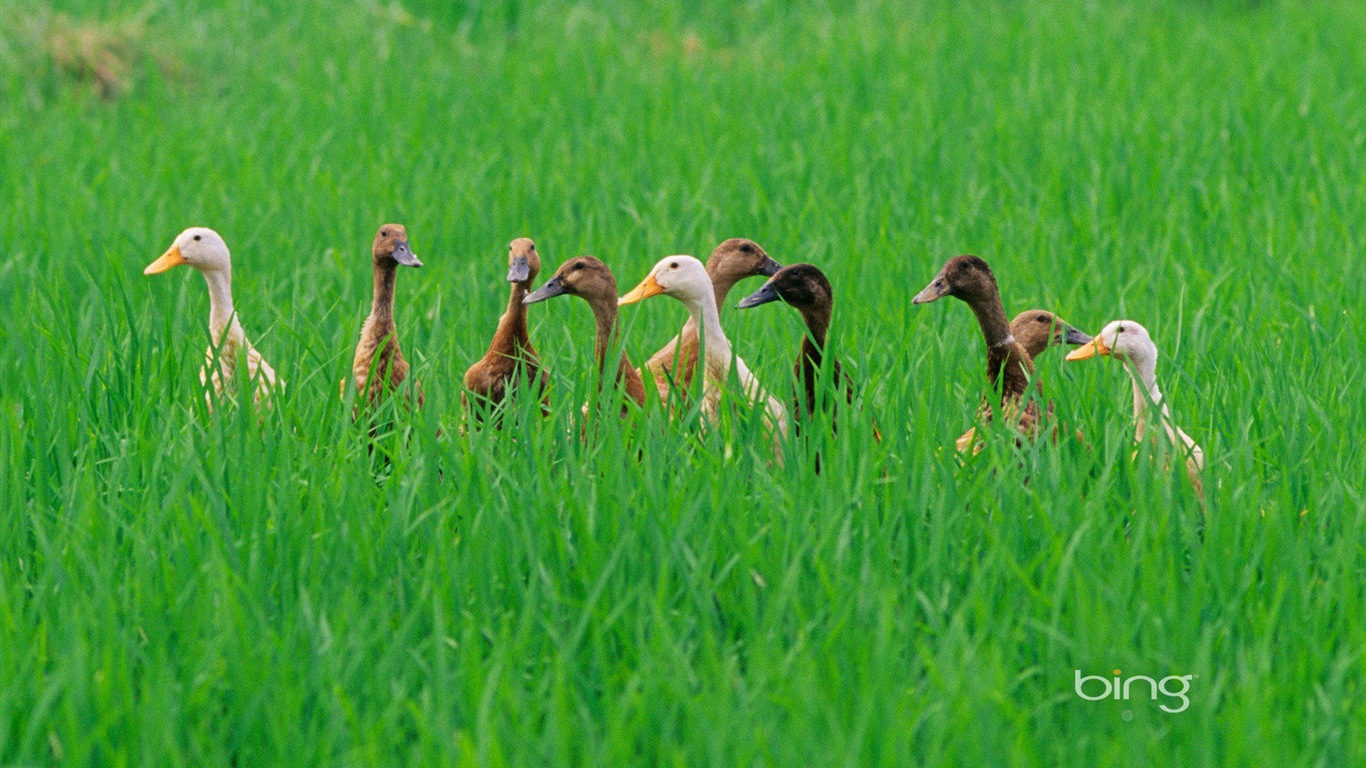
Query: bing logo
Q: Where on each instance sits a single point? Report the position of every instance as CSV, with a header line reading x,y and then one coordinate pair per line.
x,y
1174,687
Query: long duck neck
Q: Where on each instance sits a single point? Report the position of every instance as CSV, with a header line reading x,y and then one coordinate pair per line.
x,y
817,319
704,315
1143,376
605,318
1005,358
382,308
222,317
512,326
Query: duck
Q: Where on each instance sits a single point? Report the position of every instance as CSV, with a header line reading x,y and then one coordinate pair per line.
x,y
1009,367
1036,330
203,249
685,279
510,356
591,280
805,288
1130,343
730,262
378,366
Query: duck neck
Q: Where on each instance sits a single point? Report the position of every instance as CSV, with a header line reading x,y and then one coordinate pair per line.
x,y
1005,358
720,287
817,319
1143,375
704,316
512,326
605,318
382,309
222,317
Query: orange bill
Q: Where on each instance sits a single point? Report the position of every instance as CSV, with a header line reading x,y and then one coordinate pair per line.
x,y
647,288
171,258
1091,348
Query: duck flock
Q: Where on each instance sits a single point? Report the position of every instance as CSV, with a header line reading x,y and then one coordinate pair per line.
x,y
511,366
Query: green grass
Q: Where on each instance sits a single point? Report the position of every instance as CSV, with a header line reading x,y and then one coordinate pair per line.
x,y
180,589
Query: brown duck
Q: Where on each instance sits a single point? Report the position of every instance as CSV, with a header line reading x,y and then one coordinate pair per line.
x,y
378,366
732,261
1009,366
806,289
510,356
1036,330
591,280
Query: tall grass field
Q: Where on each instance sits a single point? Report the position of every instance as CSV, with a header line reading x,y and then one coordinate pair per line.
x,y
254,587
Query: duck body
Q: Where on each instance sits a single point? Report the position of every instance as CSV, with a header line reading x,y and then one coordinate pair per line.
x,y
729,263
685,279
204,250
1131,343
1009,366
378,365
510,356
591,280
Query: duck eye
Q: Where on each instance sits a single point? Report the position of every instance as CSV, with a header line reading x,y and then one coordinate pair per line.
x,y
198,237
384,233
1120,329
673,265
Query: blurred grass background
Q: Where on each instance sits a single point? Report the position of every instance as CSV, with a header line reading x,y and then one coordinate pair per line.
x,y
178,589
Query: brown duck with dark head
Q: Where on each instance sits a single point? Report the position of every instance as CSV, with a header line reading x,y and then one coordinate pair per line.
x,y
731,261
378,366
591,280
1009,366
510,356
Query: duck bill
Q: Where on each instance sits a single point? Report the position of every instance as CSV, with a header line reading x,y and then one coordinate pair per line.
x,y
1089,349
937,289
404,255
769,267
171,258
551,289
764,295
1074,336
647,288
520,270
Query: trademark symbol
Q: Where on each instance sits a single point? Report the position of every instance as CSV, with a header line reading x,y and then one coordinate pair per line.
x,y
1127,715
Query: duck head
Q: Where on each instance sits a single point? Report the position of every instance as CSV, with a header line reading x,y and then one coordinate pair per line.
x,y
1122,339
391,244
682,277
738,258
584,276
523,261
1038,329
198,247
965,277
803,286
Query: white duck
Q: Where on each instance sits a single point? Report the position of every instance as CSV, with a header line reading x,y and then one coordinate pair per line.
x,y
204,249
1130,343
684,278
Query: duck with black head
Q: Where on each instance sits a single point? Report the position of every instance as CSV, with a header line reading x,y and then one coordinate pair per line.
x,y
510,358
1009,366
805,288
591,280
378,366
729,263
